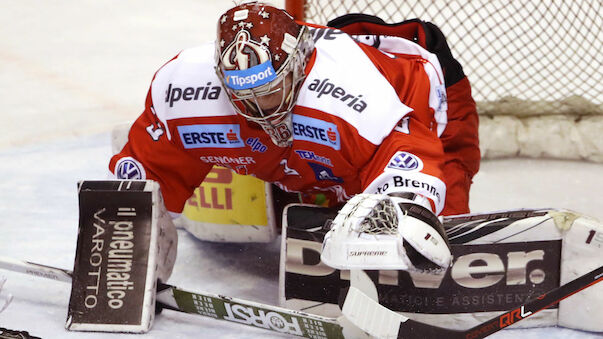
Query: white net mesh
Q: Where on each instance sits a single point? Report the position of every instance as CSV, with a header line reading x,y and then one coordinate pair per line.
x,y
382,220
548,53
524,59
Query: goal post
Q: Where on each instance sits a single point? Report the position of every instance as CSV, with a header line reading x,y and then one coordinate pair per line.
x,y
536,67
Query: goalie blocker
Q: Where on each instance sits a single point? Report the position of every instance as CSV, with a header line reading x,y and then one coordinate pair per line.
x,y
126,243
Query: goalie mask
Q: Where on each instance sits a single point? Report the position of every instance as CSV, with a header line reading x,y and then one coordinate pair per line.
x,y
261,54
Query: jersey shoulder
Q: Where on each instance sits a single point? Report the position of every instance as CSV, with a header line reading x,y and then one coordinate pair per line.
x,y
187,86
345,83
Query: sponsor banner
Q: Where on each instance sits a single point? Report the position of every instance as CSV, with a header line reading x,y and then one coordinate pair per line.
x,y
112,256
229,310
483,278
325,87
411,181
316,131
256,145
226,161
208,92
215,200
211,136
323,173
251,77
309,155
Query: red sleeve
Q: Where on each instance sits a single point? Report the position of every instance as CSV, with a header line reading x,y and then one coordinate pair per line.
x,y
408,162
460,141
410,159
461,147
149,154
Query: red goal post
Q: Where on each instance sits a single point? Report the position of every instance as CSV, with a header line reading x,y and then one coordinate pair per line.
x,y
536,67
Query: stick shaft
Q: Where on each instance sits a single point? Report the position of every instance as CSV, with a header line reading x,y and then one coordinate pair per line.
x,y
35,270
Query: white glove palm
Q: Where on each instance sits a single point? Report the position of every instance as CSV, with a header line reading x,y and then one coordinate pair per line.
x,y
375,231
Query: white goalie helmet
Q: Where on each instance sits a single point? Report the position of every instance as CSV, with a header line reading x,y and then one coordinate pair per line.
x,y
261,55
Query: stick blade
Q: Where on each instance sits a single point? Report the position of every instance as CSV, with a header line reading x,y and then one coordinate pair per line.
x,y
370,316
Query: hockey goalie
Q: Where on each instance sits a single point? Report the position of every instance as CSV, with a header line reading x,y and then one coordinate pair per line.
x,y
311,110
375,121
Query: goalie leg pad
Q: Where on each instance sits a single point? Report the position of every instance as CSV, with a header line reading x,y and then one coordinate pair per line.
x,y
501,259
582,251
126,242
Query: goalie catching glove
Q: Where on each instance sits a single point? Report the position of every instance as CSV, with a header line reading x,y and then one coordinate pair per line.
x,y
376,231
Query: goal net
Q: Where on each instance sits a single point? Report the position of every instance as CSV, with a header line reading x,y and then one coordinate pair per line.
x,y
536,67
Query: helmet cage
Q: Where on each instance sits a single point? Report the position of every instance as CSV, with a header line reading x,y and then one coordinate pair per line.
x,y
245,101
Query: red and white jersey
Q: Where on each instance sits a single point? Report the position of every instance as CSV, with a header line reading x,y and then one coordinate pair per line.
x,y
365,121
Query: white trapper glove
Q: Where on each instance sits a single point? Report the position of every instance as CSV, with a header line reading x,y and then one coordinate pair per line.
x,y
376,231
425,240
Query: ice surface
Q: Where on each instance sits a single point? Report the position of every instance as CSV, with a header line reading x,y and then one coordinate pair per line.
x,y
69,72
38,205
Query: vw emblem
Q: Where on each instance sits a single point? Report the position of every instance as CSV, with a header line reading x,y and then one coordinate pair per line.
x,y
405,161
130,169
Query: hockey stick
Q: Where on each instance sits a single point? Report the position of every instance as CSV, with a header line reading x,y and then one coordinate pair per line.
x,y
37,270
379,321
361,310
212,305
